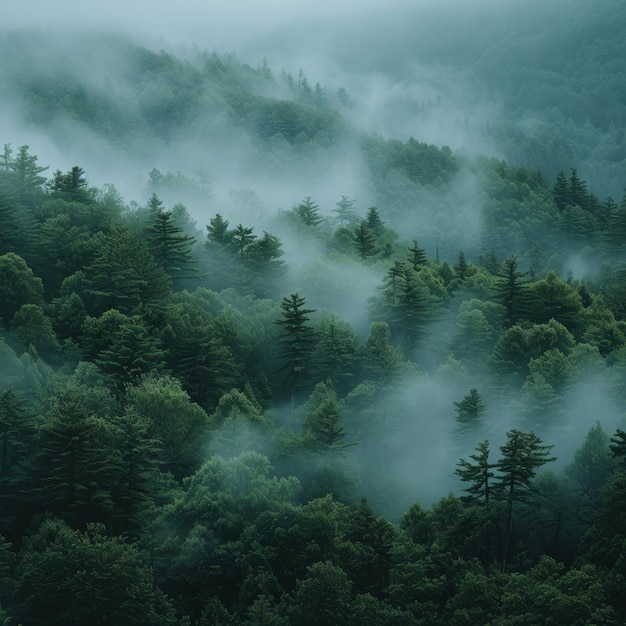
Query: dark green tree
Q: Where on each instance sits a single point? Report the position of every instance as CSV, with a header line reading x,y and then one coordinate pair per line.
x,y
26,176
66,576
322,598
169,245
71,185
478,475
512,292
217,231
18,286
75,465
321,426
298,340
460,269
471,408
417,257
124,276
364,241
9,224
407,304
560,191
522,455
307,213
374,222
241,238
17,453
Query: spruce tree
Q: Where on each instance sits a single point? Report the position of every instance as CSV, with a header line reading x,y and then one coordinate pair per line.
x,y
298,340
169,245
345,211
471,408
417,257
522,455
364,241
512,291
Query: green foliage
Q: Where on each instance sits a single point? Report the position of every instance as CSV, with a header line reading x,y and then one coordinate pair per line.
x,y
471,408
298,339
70,577
18,286
123,387
177,423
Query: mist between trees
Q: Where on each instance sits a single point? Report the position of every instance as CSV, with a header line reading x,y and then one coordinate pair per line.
x,y
399,390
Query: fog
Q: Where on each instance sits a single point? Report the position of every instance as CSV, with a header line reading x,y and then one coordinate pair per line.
x,y
397,87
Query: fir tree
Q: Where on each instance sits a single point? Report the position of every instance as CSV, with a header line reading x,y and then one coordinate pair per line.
x,y
297,341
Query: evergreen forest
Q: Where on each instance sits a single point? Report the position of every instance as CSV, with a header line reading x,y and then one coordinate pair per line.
x,y
264,362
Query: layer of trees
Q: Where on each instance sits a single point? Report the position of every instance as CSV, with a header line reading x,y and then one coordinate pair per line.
x,y
170,417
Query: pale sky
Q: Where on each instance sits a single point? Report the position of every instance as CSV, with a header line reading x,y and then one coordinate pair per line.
x,y
226,23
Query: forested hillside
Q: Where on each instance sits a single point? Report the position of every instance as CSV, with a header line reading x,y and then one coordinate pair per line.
x,y
305,373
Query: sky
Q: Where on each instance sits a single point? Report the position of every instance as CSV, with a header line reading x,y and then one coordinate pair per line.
x,y
211,24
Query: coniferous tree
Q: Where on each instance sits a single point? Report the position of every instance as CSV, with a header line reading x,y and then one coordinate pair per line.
x,y
27,178
374,222
297,341
460,269
307,213
72,185
75,463
322,422
364,241
9,225
169,245
345,211
479,475
417,257
512,291
124,276
522,455
217,230
17,453
560,191
240,238
471,408
406,303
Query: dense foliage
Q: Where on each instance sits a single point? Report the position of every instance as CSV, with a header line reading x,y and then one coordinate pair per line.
x,y
196,429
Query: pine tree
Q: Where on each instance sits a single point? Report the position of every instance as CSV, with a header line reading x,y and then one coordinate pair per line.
x,y
170,247
72,185
417,257
241,238
471,408
406,304
124,276
307,213
298,339
512,291
460,269
479,475
373,221
9,225
26,173
345,211
217,231
365,241
322,421
522,455
560,191
75,463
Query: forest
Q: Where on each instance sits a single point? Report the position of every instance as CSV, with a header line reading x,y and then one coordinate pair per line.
x,y
302,370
